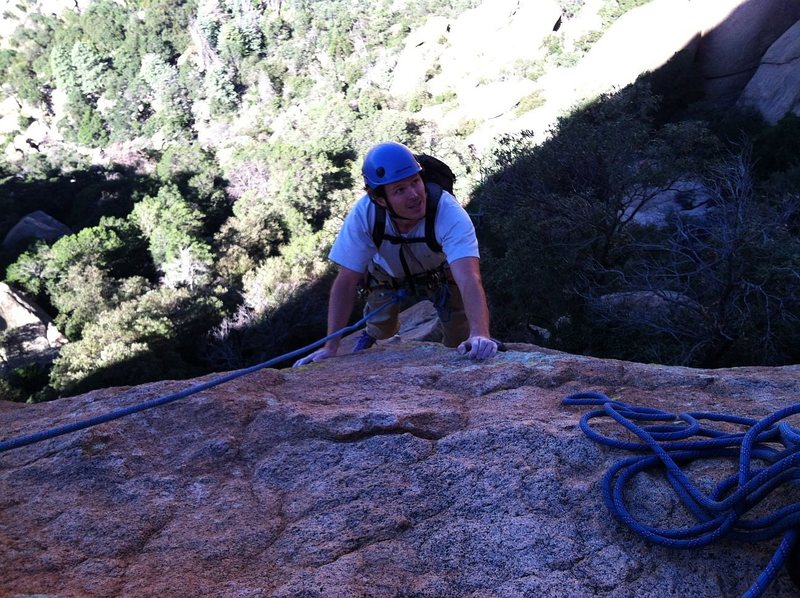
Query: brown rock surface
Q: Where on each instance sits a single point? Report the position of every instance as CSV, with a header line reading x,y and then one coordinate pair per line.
x,y
405,470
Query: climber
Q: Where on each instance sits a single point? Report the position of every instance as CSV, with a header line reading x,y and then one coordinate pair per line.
x,y
442,266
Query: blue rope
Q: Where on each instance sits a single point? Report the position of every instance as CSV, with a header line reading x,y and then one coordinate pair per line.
x,y
20,441
669,440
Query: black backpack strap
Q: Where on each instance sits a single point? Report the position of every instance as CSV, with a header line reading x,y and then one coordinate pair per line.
x,y
434,195
379,228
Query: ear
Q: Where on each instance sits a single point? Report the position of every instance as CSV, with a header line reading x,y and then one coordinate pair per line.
x,y
378,199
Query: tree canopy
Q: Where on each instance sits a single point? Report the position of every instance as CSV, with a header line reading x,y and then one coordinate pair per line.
x,y
238,128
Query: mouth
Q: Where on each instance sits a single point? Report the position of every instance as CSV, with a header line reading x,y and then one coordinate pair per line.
x,y
415,206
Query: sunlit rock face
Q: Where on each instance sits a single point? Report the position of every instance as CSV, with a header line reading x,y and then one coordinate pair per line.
x,y
486,60
404,470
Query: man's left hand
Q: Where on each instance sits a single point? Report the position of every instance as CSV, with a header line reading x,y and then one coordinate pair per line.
x,y
478,347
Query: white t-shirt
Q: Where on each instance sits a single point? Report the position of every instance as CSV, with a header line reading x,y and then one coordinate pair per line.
x,y
453,229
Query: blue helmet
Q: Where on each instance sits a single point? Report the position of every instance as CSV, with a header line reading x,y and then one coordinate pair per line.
x,y
388,162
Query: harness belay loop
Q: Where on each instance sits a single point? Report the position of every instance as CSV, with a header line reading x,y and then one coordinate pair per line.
x,y
430,280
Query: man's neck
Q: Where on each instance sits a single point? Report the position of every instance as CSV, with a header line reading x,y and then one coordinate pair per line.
x,y
405,226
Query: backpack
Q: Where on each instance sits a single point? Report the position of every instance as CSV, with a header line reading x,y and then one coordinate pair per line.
x,y
437,177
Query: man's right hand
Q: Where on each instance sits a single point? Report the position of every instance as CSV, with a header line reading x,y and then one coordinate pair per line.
x,y
317,355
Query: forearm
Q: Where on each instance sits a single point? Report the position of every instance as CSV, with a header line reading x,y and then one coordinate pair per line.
x,y
476,309
466,273
340,305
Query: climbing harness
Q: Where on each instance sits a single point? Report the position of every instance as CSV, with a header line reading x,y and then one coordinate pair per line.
x,y
21,441
668,441
430,280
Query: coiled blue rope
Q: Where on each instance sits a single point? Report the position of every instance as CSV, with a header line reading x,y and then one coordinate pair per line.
x,y
21,441
669,440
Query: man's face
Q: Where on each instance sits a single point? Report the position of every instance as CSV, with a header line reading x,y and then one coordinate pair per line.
x,y
407,197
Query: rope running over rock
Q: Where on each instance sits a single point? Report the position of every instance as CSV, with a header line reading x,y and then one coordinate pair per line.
x,y
21,441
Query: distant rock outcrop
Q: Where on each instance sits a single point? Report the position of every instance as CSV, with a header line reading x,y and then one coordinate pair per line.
x,y
36,225
731,51
29,333
775,88
404,470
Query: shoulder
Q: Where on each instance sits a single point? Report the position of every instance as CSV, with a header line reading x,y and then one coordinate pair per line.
x,y
362,213
449,207
362,205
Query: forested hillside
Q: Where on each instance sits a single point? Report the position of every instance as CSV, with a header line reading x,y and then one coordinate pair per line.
x,y
203,155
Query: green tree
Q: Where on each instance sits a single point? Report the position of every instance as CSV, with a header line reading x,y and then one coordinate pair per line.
x,y
19,79
198,176
165,27
77,278
104,24
80,293
28,74
80,274
64,72
254,232
89,68
220,86
92,131
172,227
168,97
142,339
28,270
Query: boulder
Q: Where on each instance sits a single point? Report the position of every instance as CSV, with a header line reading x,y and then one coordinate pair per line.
x,y
640,307
29,334
731,51
404,470
726,37
35,226
654,207
774,90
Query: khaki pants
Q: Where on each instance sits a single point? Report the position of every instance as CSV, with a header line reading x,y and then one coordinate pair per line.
x,y
445,297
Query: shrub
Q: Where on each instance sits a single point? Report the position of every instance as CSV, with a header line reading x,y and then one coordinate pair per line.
x,y
92,131
777,148
729,273
143,339
562,247
558,215
532,101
